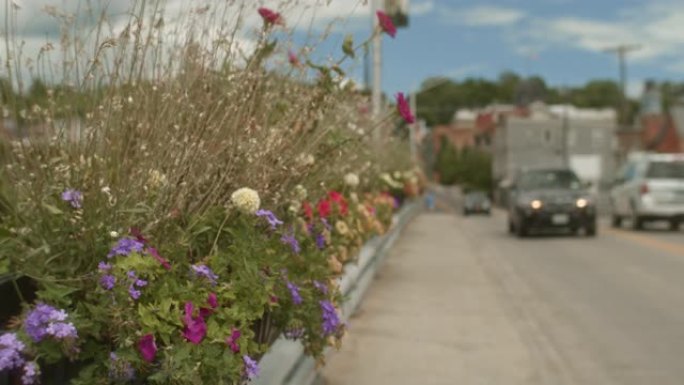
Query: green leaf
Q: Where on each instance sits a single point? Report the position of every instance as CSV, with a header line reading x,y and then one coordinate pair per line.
x,y
52,209
348,46
55,293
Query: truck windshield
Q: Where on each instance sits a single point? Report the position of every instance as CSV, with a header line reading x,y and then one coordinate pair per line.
x,y
665,170
558,179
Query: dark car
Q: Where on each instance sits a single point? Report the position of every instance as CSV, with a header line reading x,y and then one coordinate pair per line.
x,y
550,199
476,202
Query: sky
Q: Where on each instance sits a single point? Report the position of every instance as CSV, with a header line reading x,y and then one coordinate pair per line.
x,y
563,41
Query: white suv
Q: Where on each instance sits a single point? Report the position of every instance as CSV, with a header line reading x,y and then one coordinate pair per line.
x,y
649,187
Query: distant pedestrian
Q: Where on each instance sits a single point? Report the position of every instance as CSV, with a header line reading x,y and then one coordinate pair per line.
x,y
430,200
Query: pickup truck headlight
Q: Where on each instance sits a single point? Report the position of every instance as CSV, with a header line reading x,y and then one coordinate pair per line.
x,y
582,203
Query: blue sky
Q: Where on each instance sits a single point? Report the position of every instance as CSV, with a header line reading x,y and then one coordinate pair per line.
x,y
561,40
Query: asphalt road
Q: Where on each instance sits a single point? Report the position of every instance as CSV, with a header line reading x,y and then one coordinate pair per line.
x,y
461,301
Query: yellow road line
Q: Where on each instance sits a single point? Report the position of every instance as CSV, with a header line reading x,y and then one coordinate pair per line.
x,y
644,240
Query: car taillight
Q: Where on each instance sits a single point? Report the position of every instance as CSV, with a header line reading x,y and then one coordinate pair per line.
x,y
644,189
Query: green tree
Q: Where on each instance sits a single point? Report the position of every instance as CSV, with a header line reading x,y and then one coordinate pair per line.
x,y
446,164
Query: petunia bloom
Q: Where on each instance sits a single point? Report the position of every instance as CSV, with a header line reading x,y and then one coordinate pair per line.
x,y
270,16
404,109
155,254
386,24
147,347
212,300
232,340
324,208
293,59
195,327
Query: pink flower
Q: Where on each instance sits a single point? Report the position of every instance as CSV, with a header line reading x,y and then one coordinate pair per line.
x,y
155,254
195,328
232,340
404,109
293,59
270,16
386,24
147,347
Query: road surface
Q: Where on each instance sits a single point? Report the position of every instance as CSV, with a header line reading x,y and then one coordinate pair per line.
x,y
459,301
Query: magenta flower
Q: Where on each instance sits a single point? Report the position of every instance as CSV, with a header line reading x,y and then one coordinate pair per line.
x,y
195,327
293,59
270,16
386,24
147,347
212,300
232,340
155,254
404,109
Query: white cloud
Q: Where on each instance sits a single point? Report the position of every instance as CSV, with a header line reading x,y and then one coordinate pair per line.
x,y
421,8
484,16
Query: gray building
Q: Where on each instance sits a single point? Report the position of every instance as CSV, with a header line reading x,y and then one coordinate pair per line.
x,y
556,136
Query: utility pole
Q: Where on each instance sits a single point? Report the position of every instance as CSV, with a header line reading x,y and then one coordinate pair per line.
x,y
376,89
621,51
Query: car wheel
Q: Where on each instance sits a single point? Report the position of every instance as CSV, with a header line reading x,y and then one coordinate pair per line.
x,y
591,230
674,225
616,221
521,230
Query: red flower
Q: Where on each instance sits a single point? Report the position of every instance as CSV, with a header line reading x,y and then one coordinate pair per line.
x,y
386,23
147,347
308,210
404,109
232,340
138,235
155,254
338,198
195,327
270,16
324,208
212,300
293,59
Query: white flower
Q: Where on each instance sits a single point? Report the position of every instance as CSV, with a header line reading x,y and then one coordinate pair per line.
x,y
351,179
113,234
300,192
397,175
246,200
390,182
295,206
307,159
354,197
156,179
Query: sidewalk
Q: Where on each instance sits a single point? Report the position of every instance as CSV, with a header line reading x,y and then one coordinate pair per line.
x,y
431,317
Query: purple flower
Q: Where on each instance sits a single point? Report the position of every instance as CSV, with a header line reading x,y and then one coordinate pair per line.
x,y
104,266
251,367
30,374
10,352
270,217
147,347
133,292
131,274
326,224
140,283
46,320
294,292
126,246
107,281
120,369
330,319
205,272
321,287
292,241
74,197
320,241
62,330
232,340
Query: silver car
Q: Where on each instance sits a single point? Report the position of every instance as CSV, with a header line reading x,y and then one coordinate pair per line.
x,y
649,187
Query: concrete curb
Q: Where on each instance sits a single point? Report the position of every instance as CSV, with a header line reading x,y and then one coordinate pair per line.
x,y
285,362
